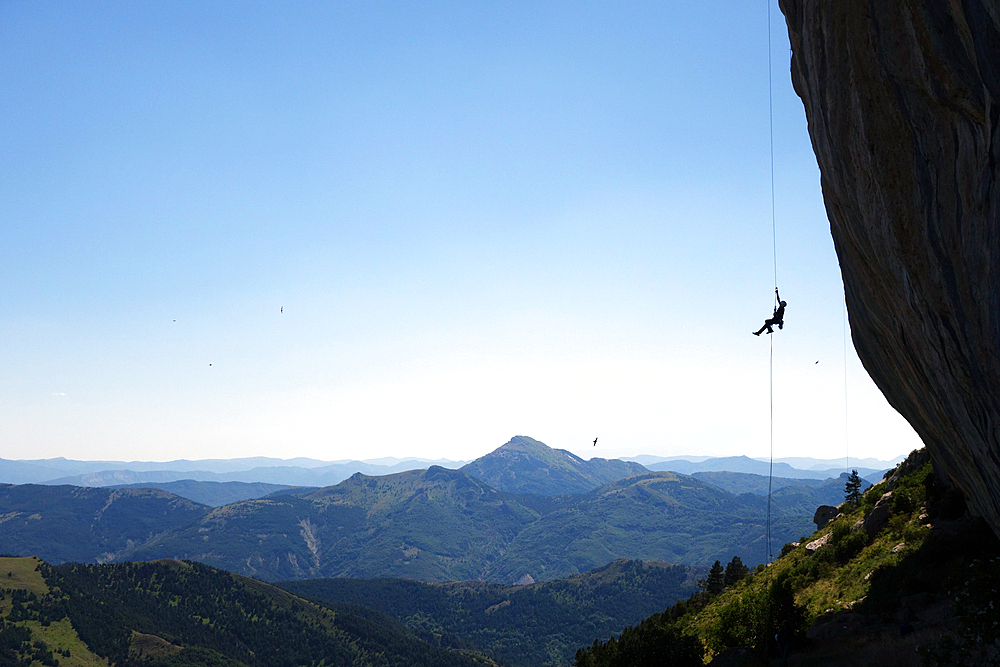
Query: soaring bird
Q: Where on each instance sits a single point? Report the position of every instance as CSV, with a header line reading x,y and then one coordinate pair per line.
x,y
282,309
595,442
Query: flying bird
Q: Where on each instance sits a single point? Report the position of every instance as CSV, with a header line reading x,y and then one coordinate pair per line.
x,y
282,309
595,442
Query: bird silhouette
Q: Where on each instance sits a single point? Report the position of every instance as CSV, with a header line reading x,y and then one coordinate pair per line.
x,y
595,442
282,309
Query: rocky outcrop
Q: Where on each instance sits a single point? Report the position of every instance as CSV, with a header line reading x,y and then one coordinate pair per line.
x,y
902,103
819,543
878,518
824,515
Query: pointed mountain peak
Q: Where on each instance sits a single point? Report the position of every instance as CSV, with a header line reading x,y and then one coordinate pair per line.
x,y
526,465
535,448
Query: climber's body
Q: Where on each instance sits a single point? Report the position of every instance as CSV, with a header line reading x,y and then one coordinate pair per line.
x,y
778,317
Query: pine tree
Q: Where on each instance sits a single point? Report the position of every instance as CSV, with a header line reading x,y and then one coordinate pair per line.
x,y
735,571
716,581
852,490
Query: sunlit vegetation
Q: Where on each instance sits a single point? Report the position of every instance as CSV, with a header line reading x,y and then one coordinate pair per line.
x,y
855,570
174,613
530,625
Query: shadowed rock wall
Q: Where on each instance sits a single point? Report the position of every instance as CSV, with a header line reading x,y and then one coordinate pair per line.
x,y
902,102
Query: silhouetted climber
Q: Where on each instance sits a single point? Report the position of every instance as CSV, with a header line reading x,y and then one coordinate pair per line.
x,y
778,317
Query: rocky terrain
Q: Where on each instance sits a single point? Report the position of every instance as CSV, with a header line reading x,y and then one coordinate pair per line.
x,y
902,104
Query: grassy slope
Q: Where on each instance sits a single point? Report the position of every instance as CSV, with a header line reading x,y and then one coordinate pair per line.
x,y
930,564
175,613
23,574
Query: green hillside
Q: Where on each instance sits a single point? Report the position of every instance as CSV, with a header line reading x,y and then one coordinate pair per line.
x,y
655,516
443,525
906,553
64,523
532,625
173,614
433,525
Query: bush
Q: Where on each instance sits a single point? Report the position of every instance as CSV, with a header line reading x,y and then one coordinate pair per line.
x,y
850,546
752,618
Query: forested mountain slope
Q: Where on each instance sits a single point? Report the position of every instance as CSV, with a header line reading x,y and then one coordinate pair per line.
x,y
61,523
172,614
433,525
532,625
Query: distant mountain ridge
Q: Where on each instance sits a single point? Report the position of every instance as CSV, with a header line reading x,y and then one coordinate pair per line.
x,y
524,510
319,473
313,472
746,464
432,525
67,523
214,494
525,465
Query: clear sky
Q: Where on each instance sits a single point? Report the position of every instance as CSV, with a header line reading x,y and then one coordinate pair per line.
x,y
482,219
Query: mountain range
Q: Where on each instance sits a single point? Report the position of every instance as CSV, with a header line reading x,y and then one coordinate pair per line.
x,y
757,467
312,472
434,524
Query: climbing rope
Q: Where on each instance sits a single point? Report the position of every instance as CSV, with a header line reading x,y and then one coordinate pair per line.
x,y
847,431
770,469
774,255
770,120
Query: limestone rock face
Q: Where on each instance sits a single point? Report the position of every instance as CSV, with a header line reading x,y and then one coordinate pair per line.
x,y
902,103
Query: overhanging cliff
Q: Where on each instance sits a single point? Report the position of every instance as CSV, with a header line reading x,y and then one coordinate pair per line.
x,y
902,102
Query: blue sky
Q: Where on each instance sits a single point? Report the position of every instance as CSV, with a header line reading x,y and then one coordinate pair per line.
x,y
481,220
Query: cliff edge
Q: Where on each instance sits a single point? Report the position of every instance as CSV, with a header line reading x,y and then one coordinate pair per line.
x,y
902,104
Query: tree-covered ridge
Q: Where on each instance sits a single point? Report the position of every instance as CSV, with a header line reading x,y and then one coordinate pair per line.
x,y
62,523
531,625
213,494
443,525
433,525
174,613
904,553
